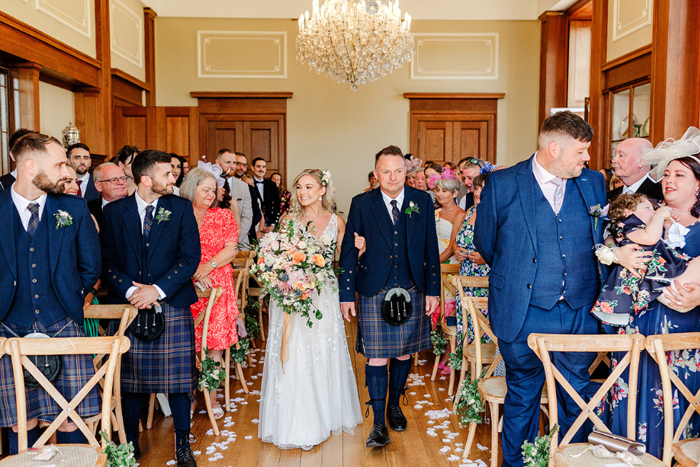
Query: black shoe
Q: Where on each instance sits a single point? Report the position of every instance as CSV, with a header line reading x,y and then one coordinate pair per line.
x,y
395,418
378,437
185,458
137,454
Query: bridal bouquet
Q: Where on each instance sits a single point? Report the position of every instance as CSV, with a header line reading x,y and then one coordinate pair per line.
x,y
293,265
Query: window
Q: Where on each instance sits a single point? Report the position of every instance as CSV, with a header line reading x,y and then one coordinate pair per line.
x,y
9,113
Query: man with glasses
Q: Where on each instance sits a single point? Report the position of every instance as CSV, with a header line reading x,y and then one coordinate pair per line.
x,y
241,165
469,168
629,167
110,182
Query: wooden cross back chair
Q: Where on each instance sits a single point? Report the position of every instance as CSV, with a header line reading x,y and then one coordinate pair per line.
x,y
632,345
257,292
241,277
686,452
20,348
450,331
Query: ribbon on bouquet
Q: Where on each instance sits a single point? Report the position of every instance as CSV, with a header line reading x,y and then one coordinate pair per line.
x,y
286,330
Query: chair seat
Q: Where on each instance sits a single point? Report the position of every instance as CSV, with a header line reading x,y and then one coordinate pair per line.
x,y
77,455
687,452
562,457
488,353
449,330
494,389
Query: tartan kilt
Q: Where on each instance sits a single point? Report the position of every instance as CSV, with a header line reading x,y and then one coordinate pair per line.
x,y
76,371
378,339
164,365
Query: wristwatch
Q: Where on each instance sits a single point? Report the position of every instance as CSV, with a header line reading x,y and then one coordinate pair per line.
x,y
213,264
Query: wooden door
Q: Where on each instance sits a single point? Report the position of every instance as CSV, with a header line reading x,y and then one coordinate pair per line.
x,y
223,135
470,140
435,140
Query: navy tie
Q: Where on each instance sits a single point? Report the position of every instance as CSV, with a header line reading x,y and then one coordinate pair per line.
x,y
34,219
395,211
148,222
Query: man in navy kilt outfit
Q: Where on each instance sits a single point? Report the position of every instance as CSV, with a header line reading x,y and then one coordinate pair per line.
x,y
150,250
50,256
398,223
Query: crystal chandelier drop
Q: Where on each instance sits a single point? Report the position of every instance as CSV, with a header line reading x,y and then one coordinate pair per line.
x,y
355,41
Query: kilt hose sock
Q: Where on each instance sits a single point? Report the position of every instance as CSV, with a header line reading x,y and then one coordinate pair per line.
x,y
32,436
132,404
71,437
376,380
398,375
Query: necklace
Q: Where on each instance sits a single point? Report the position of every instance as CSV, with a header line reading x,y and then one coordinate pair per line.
x,y
680,213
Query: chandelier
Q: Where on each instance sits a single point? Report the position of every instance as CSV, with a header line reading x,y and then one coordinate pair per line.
x,y
355,41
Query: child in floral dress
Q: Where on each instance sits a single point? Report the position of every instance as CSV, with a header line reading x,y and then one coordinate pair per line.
x,y
634,220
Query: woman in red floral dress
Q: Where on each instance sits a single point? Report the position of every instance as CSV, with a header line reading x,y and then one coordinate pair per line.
x,y
218,234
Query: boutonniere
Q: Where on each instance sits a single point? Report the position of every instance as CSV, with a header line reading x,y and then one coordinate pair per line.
x,y
163,215
63,219
412,207
598,213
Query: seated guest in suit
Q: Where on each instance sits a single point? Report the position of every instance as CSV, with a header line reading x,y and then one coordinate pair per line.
x,y
469,170
7,180
151,250
111,183
79,158
70,186
630,168
52,257
124,159
268,194
534,230
419,182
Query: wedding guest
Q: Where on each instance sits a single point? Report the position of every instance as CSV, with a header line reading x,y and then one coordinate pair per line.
x,y
52,260
112,185
7,180
150,251
218,234
470,169
631,169
241,165
450,165
679,171
240,192
185,166
124,159
284,194
176,164
269,194
431,169
79,158
411,179
615,183
372,181
419,182
70,186
534,229
412,166
223,197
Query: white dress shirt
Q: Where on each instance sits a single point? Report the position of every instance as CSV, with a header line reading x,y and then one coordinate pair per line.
x,y
544,179
260,185
84,180
629,190
388,200
22,205
141,206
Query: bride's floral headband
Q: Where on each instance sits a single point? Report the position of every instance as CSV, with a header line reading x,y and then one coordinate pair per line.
x,y
325,177
669,150
447,174
214,169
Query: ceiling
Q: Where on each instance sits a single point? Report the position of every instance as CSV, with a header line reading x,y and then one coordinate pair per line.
x,y
419,9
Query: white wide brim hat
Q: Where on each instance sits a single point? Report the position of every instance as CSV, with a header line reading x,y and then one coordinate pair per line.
x,y
669,150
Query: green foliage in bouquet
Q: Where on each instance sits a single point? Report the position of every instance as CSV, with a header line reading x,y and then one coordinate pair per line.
x,y
211,375
240,355
119,456
537,454
471,405
439,340
252,326
455,359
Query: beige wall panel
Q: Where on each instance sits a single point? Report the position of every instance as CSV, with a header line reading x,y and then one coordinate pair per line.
x,y
629,26
241,54
127,44
69,21
57,109
331,127
455,56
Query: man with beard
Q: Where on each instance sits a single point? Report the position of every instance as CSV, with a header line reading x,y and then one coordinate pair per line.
x,y
79,158
150,251
239,191
7,180
51,257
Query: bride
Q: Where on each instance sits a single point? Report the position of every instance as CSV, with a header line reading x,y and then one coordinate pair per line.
x,y
314,393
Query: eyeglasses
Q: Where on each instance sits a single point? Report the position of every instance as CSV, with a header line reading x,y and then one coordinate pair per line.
x,y
475,161
114,180
242,164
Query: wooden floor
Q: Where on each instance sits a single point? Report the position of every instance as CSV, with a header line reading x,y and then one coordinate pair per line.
x,y
427,441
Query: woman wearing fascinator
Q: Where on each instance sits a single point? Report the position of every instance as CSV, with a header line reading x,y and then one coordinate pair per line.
x,y
218,234
678,168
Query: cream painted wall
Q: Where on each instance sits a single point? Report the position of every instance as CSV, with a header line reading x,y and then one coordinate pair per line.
x,y
128,49
66,26
57,108
636,39
331,127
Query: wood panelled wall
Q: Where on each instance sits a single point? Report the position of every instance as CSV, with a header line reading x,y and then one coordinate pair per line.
x,y
98,88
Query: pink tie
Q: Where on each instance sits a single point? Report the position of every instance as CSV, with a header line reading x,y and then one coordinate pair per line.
x,y
558,194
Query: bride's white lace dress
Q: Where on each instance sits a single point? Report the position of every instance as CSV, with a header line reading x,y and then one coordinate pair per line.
x,y
315,394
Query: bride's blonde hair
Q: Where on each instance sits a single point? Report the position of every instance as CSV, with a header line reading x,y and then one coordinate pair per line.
x,y
323,177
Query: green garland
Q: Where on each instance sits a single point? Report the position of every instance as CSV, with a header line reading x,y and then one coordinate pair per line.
x,y
455,359
119,456
252,326
240,355
470,405
537,454
439,340
211,375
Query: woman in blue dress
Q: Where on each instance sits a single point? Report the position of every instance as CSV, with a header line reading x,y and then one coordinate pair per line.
x,y
681,188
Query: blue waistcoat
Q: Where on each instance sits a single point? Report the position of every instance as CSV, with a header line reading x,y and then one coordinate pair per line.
x,y
35,297
400,272
566,263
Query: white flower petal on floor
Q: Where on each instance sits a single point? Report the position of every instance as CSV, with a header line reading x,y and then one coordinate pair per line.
x,y
453,458
445,449
248,437
481,448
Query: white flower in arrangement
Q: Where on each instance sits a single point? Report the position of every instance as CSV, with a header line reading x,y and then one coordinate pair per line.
x,y
302,245
325,239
